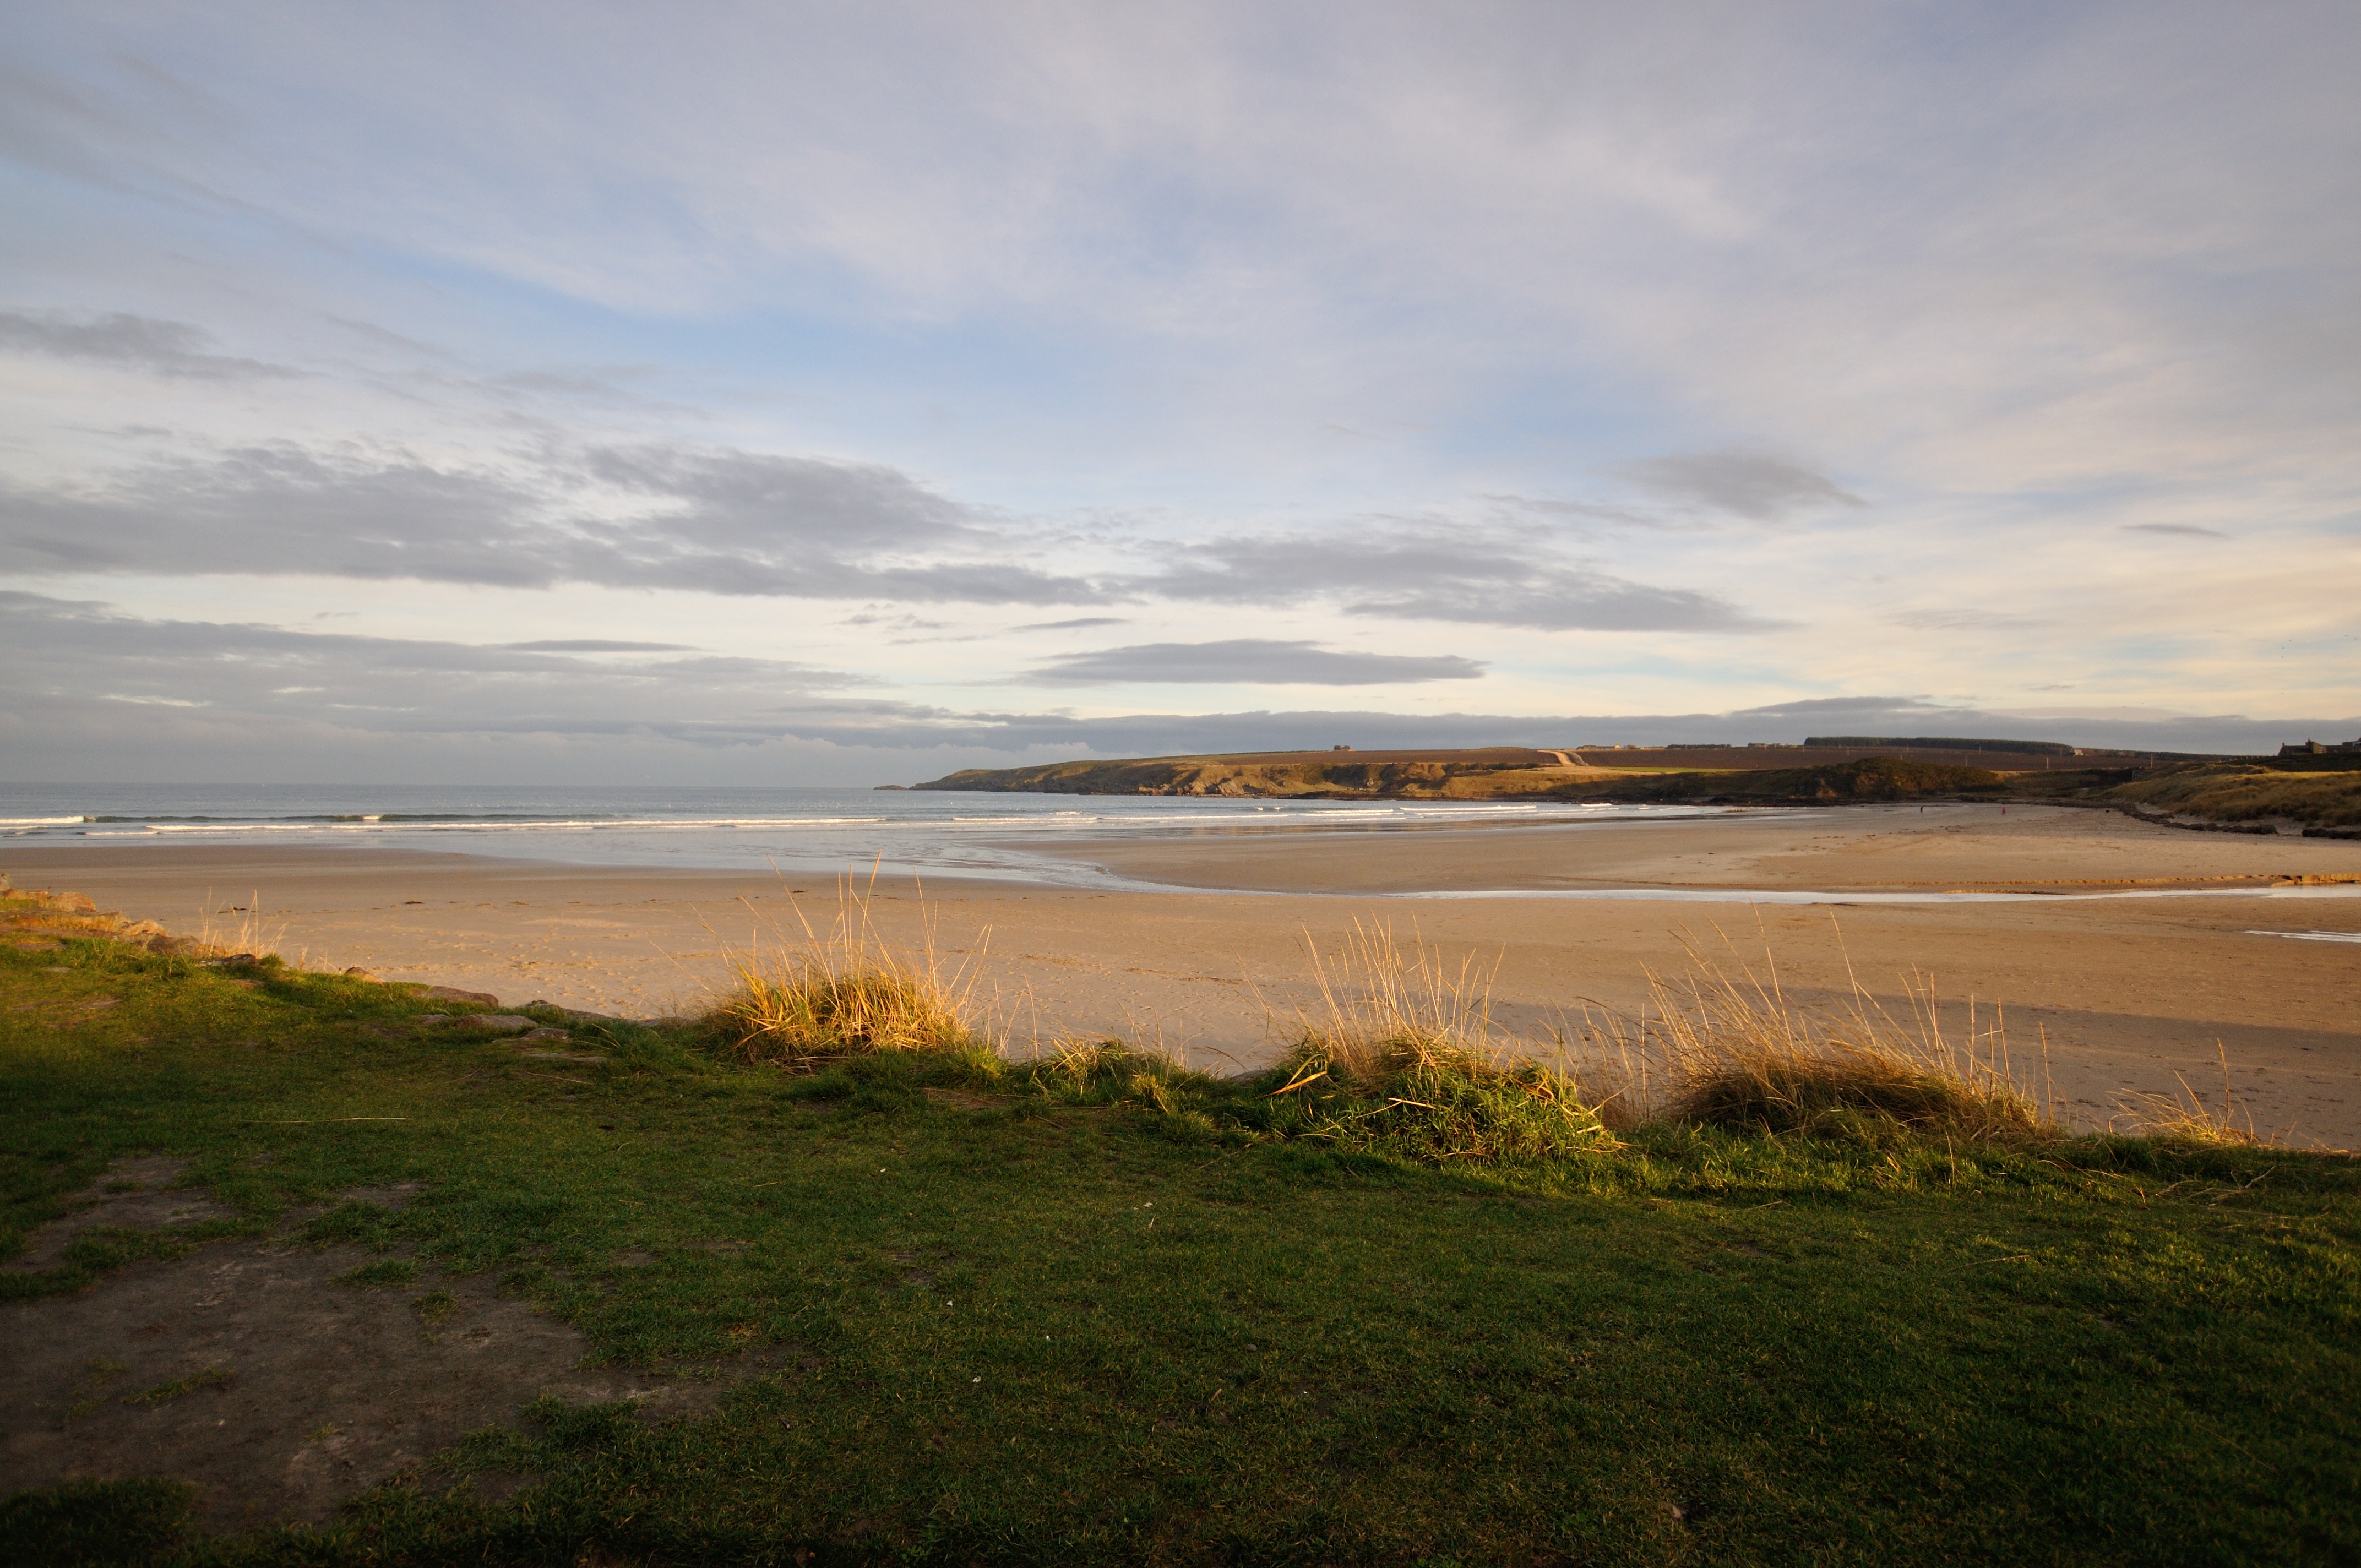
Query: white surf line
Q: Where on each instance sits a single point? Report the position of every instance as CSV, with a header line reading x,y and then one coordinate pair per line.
x,y
1807,896
1094,875
2353,936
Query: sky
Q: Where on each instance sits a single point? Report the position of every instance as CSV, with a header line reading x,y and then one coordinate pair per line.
x,y
830,394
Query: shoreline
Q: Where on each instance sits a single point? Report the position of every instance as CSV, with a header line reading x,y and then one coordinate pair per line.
x,y
2127,992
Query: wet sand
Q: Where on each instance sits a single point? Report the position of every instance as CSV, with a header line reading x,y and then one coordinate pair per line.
x,y
2127,992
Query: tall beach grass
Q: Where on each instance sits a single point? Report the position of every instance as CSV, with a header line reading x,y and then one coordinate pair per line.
x,y
1402,1052
848,992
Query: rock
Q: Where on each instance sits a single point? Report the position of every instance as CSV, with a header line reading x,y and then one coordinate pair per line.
x,y
453,993
434,1018
140,931
5,886
546,1035
73,904
364,974
494,1022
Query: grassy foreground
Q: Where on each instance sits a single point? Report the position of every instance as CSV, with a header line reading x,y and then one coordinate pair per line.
x,y
1095,1310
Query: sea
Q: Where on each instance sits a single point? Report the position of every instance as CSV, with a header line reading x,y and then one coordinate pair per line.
x,y
828,832
809,831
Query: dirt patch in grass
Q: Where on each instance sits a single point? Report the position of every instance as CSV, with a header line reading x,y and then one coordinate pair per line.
x,y
245,1368
135,1195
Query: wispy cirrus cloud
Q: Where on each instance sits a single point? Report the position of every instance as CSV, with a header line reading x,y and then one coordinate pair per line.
x,y
1076,624
1743,484
707,520
1439,571
1248,660
160,347
2175,530
740,523
71,651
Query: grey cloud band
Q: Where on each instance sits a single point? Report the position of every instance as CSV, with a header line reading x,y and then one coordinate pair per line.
x,y
741,523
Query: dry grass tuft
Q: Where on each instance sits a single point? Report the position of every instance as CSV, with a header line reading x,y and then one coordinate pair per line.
x,y
1119,1070
248,935
1385,1010
2183,1116
1410,1048
848,993
1729,1050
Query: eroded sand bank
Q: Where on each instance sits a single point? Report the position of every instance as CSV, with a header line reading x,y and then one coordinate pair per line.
x,y
2127,992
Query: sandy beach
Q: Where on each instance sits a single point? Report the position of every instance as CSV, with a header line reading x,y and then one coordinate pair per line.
x,y
2126,991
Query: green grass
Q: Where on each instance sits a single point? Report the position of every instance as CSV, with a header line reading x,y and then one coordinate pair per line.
x,y
2247,793
1868,779
1097,1309
179,1387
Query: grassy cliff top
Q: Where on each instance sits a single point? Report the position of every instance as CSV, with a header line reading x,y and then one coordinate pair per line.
x,y
1480,776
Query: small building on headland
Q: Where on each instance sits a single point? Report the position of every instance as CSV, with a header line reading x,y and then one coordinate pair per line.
x,y
2322,749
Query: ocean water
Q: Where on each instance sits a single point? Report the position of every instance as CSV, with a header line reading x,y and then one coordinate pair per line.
x,y
825,832
814,831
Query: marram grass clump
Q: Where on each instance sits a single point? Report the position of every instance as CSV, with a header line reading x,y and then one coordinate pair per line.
x,y
848,993
1433,1106
1731,1051
1100,1072
1402,1058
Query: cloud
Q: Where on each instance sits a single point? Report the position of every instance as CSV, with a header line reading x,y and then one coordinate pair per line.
x,y
62,652
1744,484
1077,624
594,645
1963,619
2182,529
1439,571
90,687
645,516
1247,661
1569,601
1581,511
163,347
726,522
1114,271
